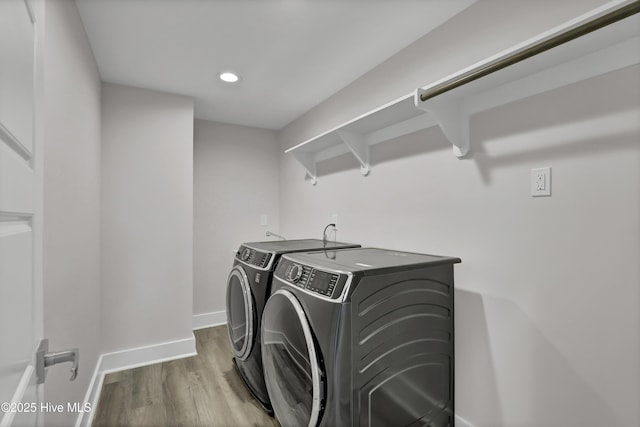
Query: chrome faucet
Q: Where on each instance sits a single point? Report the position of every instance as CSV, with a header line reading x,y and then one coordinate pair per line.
x,y
269,234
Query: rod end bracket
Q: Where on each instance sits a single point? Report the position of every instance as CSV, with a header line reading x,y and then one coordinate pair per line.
x,y
452,117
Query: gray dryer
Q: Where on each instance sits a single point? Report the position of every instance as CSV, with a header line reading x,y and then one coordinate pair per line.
x,y
361,337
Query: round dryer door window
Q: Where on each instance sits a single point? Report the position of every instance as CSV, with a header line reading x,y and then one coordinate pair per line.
x,y
240,314
290,361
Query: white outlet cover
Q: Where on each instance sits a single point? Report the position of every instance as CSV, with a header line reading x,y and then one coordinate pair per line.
x,y
264,220
541,182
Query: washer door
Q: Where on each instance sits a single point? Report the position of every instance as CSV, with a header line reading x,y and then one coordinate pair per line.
x,y
290,361
240,313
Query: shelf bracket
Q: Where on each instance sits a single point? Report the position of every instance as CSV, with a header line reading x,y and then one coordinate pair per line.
x,y
308,162
452,118
356,144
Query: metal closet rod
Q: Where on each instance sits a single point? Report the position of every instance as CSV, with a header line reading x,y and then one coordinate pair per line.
x,y
528,52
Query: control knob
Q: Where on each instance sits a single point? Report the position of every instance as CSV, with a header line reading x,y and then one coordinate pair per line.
x,y
246,254
295,272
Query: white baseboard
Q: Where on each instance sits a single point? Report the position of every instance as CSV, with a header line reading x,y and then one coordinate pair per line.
x,y
128,359
207,320
148,355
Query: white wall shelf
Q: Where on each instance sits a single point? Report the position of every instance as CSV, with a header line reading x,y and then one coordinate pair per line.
x,y
607,49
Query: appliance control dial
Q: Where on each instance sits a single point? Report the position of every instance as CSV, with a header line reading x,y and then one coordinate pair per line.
x,y
295,272
246,254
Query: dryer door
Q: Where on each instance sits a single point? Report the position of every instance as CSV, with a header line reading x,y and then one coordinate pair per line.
x,y
240,313
290,360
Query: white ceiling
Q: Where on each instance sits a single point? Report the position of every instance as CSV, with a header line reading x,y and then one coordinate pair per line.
x,y
291,54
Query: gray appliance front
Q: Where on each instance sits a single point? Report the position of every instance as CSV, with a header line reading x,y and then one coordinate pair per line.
x,y
382,357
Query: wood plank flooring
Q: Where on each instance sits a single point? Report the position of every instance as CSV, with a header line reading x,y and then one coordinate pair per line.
x,y
204,390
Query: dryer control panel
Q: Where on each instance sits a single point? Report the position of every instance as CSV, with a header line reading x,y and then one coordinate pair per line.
x,y
327,283
254,257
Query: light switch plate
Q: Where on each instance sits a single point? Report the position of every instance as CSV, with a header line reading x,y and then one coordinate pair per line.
x,y
264,220
541,182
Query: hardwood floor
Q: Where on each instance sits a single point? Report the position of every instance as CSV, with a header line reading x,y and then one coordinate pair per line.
x,y
204,390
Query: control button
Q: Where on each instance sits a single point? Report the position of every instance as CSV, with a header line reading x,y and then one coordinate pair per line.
x,y
294,273
246,254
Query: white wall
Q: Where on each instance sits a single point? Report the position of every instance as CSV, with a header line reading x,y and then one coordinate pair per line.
x,y
71,203
547,298
235,181
147,217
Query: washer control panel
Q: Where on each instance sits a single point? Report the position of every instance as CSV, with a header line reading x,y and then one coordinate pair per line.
x,y
294,272
322,282
326,283
253,257
297,274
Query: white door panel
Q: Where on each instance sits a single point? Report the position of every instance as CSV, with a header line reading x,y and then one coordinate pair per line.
x,y
16,261
20,219
16,72
17,181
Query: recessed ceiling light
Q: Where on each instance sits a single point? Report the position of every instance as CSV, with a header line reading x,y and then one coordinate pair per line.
x,y
229,77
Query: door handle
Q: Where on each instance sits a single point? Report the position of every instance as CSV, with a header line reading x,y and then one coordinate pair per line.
x,y
44,359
